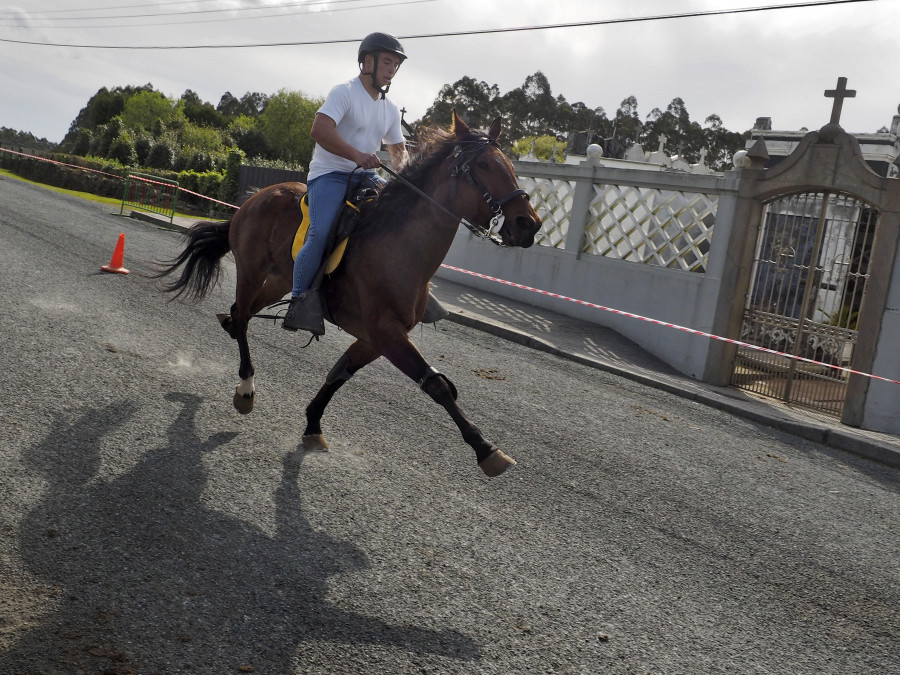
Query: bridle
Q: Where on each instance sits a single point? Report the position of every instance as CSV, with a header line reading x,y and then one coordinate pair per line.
x,y
464,153
462,166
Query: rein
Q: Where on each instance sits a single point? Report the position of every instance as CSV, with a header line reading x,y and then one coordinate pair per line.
x,y
461,166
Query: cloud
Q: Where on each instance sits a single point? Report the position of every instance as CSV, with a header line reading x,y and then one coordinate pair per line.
x,y
739,66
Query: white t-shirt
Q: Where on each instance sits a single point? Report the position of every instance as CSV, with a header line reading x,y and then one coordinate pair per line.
x,y
362,122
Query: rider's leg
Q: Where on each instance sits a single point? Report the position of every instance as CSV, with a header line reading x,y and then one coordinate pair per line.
x,y
326,198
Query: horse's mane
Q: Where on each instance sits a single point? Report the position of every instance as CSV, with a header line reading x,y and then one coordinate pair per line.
x,y
396,198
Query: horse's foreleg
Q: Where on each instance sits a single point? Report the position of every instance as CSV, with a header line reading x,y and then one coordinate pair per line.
x,y
407,358
352,360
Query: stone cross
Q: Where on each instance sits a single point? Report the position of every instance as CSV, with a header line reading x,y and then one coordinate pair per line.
x,y
839,95
662,142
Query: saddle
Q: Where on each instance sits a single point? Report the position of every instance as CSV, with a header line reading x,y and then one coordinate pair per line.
x,y
346,221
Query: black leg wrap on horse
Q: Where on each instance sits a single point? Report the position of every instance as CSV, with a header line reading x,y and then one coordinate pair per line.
x,y
429,378
340,371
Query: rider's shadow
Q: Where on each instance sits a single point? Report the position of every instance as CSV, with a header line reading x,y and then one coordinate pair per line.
x,y
150,579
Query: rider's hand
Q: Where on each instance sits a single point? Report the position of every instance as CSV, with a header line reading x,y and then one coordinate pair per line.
x,y
368,161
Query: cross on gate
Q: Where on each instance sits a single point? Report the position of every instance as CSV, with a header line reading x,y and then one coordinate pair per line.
x,y
839,95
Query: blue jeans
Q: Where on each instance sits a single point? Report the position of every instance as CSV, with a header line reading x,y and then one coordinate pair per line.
x,y
326,198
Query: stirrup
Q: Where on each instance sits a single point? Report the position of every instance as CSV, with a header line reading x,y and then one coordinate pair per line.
x,y
305,313
434,311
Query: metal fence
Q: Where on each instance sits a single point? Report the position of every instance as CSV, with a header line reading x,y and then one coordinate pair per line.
x,y
150,193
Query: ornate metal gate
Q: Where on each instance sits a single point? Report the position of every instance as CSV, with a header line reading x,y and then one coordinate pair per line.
x,y
809,276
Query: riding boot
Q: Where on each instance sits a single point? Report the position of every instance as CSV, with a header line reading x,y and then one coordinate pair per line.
x,y
434,311
305,313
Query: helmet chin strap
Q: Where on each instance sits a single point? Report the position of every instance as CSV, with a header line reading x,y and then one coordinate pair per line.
x,y
374,75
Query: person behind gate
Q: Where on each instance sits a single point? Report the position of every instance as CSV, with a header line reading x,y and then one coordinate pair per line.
x,y
350,126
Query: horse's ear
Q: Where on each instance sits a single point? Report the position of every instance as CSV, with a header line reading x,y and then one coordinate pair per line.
x,y
459,128
494,131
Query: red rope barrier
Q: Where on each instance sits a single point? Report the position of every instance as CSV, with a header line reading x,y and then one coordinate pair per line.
x,y
53,161
667,324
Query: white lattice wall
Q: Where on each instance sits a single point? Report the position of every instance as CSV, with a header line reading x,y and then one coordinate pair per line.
x,y
652,225
659,227
553,201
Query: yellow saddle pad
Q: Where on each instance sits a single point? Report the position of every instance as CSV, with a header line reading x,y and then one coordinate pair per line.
x,y
334,258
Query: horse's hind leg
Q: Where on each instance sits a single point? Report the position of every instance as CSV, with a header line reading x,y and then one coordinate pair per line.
x,y
249,299
404,355
357,355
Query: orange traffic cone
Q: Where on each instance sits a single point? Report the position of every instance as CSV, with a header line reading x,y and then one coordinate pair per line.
x,y
115,265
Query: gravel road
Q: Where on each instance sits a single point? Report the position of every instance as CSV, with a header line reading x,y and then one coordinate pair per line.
x,y
146,527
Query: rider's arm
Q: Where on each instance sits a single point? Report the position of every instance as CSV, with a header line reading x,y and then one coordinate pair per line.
x,y
324,132
399,156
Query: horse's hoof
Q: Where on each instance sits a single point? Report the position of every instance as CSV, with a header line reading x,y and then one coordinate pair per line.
x,y
315,443
243,403
496,463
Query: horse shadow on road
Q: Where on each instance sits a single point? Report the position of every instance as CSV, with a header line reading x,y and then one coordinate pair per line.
x,y
150,579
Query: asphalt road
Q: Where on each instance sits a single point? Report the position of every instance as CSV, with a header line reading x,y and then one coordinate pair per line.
x,y
146,527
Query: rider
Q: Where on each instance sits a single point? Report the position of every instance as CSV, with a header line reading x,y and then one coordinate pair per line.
x,y
349,127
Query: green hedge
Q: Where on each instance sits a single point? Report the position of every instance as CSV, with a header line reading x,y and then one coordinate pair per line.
x,y
110,183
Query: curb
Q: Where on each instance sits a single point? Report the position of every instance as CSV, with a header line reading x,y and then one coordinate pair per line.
x,y
839,439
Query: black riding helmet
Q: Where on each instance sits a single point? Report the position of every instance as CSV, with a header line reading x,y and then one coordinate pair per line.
x,y
380,42
374,43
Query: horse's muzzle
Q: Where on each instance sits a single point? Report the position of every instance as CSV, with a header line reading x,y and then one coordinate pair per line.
x,y
522,232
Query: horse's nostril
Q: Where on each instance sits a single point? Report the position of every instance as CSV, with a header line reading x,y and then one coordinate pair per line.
x,y
527,224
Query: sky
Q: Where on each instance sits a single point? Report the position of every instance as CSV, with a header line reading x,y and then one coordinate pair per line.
x,y
774,63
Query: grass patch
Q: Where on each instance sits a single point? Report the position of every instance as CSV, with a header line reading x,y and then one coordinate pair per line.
x,y
82,195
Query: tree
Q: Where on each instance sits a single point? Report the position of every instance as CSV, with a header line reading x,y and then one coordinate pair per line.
x,y
83,140
683,137
250,104
228,191
246,134
721,144
592,121
531,110
106,134
627,124
147,108
122,149
544,147
201,138
100,110
162,155
475,102
542,109
286,121
201,113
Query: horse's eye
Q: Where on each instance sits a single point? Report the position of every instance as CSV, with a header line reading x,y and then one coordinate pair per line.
x,y
481,164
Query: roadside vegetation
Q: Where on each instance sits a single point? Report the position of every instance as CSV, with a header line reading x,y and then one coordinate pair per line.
x,y
203,146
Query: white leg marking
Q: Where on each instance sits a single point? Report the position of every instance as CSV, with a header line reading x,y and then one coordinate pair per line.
x,y
246,388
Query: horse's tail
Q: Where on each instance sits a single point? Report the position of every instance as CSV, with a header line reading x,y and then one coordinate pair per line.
x,y
207,243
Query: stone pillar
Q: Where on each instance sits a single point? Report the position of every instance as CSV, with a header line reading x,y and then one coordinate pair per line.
x,y
581,207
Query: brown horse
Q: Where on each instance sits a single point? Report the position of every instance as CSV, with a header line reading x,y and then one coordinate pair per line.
x,y
380,290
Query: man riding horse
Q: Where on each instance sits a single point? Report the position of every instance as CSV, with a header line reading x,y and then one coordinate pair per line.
x,y
349,127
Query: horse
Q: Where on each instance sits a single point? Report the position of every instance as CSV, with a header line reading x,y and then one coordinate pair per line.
x,y
379,291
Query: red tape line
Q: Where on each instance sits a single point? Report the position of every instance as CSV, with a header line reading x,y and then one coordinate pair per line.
x,y
667,324
181,189
53,161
